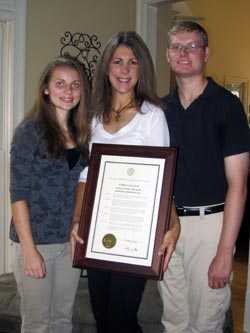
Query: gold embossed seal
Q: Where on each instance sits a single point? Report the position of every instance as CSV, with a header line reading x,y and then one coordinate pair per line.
x,y
109,241
130,171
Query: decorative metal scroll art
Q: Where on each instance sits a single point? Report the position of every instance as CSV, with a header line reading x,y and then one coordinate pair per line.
x,y
84,47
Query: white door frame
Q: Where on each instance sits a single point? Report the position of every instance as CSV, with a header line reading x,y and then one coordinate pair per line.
x,y
146,23
13,18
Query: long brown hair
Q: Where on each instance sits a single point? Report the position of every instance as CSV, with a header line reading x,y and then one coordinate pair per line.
x,y
145,89
44,112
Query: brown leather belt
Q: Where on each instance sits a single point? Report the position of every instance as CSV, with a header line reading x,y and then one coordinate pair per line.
x,y
194,211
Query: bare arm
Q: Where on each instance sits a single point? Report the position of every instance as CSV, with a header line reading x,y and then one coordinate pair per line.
x,y
79,194
236,170
170,239
34,265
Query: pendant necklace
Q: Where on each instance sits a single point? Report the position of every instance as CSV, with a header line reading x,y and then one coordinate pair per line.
x,y
118,113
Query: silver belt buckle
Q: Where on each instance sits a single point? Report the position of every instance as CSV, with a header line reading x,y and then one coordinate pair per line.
x,y
202,212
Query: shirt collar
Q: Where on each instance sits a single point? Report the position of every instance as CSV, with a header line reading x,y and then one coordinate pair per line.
x,y
210,89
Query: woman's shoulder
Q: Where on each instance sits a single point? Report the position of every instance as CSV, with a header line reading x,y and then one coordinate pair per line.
x,y
28,128
27,123
95,122
151,110
150,107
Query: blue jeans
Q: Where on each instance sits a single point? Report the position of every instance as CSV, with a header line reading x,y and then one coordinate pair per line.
x,y
47,304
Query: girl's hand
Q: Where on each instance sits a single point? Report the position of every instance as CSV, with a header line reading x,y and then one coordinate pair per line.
x,y
74,238
34,265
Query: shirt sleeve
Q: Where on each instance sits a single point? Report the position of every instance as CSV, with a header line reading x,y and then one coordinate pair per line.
x,y
83,175
159,132
236,138
22,153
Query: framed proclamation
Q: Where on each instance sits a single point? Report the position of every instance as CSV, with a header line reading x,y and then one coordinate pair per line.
x,y
126,209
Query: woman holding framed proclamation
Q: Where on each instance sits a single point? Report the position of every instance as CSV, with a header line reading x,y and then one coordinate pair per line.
x,y
126,111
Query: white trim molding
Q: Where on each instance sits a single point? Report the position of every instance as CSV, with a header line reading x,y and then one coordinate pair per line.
x,y
7,6
13,20
147,17
19,60
15,10
146,23
8,98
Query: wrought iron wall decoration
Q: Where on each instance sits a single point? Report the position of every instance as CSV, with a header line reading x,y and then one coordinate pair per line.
x,y
84,47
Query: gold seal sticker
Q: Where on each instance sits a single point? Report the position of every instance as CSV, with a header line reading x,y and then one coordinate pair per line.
x,y
109,241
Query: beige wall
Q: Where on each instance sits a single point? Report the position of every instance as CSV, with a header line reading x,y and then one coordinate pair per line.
x,y
166,14
48,20
162,69
225,20
228,25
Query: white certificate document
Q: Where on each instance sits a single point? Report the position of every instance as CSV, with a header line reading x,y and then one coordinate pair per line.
x,y
125,211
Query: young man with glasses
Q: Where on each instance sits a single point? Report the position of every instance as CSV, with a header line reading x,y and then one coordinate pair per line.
x,y
208,125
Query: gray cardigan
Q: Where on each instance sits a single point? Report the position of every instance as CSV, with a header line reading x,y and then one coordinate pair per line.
x,y
46,184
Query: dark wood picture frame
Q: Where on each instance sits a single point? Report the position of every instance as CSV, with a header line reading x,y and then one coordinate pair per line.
x,y
163,217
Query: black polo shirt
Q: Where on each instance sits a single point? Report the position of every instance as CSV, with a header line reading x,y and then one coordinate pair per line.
x,y
212,127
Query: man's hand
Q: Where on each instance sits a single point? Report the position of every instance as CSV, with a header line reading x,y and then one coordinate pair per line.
x,y
170,239
220,270
236,170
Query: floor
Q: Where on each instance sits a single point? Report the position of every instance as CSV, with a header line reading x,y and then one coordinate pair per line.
x,y
7,325
149,313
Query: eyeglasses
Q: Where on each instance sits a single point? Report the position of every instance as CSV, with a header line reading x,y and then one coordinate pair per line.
x,y
189,48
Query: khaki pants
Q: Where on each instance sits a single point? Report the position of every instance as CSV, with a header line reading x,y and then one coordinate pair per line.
x,y
47,304
189,305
